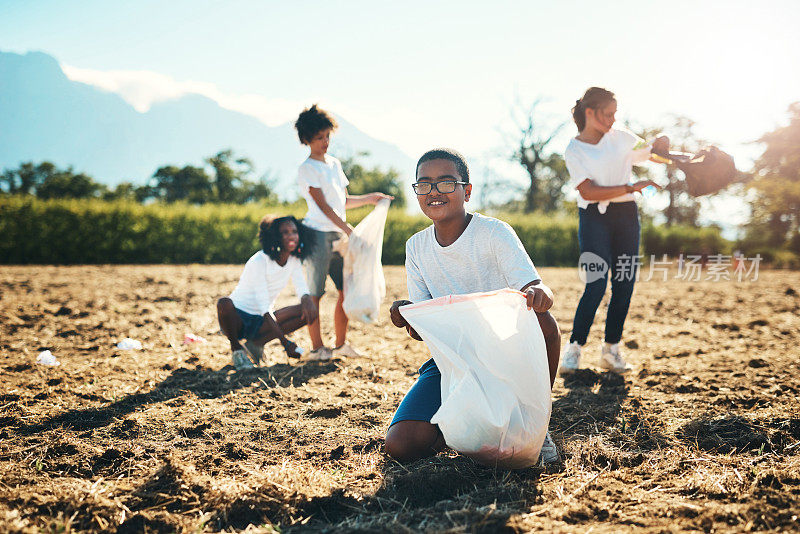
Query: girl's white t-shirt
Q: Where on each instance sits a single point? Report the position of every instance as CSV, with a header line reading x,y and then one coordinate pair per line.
x,y
263,279
608,163
329,177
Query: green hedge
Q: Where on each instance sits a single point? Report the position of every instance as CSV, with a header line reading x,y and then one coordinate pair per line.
x,y
94,231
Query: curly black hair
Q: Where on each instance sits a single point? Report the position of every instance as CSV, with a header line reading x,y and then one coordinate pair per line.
x,y
270,238
312,121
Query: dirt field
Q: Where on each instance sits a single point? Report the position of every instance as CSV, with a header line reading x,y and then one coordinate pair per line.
x,y
702,436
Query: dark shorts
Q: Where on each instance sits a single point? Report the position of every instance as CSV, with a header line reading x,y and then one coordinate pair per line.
x,y
323,262
251,324
424,397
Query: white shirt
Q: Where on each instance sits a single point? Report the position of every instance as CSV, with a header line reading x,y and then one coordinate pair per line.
x,y
486,257
263,279
608,163
329,177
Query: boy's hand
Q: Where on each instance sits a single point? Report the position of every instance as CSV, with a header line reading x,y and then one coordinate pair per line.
x,y
374,198
399,321
310,312
538,299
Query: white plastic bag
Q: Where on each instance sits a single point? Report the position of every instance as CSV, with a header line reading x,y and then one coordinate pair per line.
x,y
495,378
46,358
129,344
364,284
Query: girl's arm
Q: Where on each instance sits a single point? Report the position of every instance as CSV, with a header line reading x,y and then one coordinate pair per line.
x,y
355,201
319,197
592,192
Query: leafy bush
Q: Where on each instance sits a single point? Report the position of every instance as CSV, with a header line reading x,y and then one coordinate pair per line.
x,y
675,240
96,231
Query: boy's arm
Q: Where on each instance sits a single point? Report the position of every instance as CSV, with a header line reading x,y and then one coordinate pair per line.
x,y
319,197
518,269
417,291
355,201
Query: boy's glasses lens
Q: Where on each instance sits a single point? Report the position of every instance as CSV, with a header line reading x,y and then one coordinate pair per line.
x,y
424,188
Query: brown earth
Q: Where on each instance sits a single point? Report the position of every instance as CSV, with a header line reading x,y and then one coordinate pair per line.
x,y
702,436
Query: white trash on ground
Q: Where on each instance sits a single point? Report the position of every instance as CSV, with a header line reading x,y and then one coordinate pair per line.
x,y
495,377
129,344
46,358
188,337
364,284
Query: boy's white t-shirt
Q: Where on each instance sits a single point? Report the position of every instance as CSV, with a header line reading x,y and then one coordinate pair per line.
x,y
608,163
486,257
263,279
329,177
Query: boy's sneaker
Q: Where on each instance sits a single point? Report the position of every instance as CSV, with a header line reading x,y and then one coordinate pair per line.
x,y
571,360
255,351
549,452
345,351
320,355
241,360
612,360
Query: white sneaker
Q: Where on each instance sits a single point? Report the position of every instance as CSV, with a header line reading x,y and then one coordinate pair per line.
x,y
345,351
240,360
320,355
612,360
571,360
549,452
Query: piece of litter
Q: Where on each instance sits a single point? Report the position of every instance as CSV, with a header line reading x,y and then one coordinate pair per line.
x,y
46,358
193,338
129,344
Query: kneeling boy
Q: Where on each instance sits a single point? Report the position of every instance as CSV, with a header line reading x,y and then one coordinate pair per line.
x,y
461,253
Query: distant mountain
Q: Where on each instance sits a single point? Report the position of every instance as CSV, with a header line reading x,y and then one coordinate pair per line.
x,y
46,116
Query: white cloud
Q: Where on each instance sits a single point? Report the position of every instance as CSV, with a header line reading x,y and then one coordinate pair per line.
x,y
412,131
142,88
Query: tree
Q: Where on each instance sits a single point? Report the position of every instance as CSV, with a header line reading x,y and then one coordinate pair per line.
x,y
775,219
364,180
189,183
262,189
47,181
25,179
66,184
129,191
229,183
230,175
682,208
546,170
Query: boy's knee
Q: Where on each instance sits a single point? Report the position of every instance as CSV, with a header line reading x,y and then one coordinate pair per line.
x,y
406,444
397,447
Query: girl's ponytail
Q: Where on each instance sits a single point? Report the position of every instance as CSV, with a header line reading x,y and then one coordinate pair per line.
x,y
579,115
595,98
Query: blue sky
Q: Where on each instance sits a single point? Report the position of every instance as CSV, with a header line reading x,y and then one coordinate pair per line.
x,y
422,74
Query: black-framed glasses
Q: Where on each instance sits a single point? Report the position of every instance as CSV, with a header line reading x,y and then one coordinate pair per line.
x,y
444,187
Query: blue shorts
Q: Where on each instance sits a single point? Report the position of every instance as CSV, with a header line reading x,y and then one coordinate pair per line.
x,y
251,324
424,397
323,262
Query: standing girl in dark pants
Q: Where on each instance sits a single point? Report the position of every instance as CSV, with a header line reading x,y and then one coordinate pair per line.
x,y
599,160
